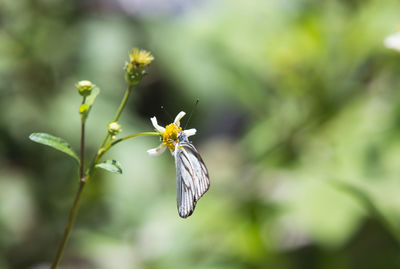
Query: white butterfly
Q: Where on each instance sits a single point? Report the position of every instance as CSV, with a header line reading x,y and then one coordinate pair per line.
x,y
192,179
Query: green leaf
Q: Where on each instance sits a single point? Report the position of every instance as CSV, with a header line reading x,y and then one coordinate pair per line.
x,y
54,142
92,97
368,202
111,166
85,108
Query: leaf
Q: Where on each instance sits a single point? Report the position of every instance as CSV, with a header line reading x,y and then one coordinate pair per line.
x,y
112,166
85,108
92,97
368,202
54,142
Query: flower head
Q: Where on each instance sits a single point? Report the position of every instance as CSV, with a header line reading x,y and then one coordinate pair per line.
x,y
134,68
169,134
140,58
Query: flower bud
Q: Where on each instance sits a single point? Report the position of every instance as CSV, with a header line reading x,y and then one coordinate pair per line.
x,y
83,109
84,87
114,128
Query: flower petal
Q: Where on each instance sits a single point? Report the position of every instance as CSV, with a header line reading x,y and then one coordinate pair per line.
x,y
178,118
189,132
155,124
157,151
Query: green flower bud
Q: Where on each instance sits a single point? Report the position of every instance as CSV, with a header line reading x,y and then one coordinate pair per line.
x,y
83,109
84,87
114,128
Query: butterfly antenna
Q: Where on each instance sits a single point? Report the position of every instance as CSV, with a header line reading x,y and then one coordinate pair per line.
x,y
191,112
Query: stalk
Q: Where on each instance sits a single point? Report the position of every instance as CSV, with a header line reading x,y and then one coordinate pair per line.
x,y
119,111
75,205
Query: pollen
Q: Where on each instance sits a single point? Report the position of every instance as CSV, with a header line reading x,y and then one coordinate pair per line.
x,y
170,136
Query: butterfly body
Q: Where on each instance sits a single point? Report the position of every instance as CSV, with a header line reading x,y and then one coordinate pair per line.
x,y
192,179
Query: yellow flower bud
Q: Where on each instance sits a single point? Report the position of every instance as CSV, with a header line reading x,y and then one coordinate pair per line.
x,y
83,109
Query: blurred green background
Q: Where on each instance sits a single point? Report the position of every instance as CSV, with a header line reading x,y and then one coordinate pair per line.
x,y
298,123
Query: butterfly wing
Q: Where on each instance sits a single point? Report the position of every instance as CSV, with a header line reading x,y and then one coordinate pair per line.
x,y
192,178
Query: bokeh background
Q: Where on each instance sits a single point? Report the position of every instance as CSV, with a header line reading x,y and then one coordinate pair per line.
x,y
298,123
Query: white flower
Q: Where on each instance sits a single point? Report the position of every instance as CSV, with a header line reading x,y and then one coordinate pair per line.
x,y
393,41
169,134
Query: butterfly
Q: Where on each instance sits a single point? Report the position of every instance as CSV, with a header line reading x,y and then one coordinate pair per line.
x,y
192,179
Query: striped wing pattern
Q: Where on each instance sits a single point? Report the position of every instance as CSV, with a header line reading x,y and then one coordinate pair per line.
x,y
192,178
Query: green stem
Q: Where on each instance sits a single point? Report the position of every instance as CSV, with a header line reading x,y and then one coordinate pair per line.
x,y
82,163
75,205
132,136
68,226
119,111
104,149
123,102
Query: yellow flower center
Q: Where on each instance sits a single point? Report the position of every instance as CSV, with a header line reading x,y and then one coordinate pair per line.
x,y
170,136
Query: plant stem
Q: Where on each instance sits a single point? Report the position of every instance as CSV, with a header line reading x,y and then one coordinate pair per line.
x,y
119,111
75,205
68,226
132,136
82,163
123,102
